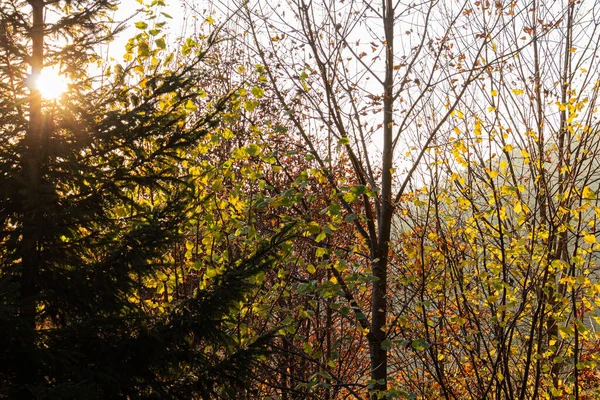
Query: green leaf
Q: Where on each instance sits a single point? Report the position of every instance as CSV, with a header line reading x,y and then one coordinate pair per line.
x,y
211,272
260,277
281,129
252,149
334,209
350,218
386,344
349,197
307,348
320,252
258,92
141,25
360,189
160,43
322,236
143,49
314,228
420,344
188,46
250,105
217,185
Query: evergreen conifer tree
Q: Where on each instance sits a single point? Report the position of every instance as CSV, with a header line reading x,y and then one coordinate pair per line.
x,y
93,193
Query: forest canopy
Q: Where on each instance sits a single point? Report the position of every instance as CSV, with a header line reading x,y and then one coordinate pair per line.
x,y
299,200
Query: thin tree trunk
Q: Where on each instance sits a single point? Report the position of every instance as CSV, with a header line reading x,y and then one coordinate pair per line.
x,y
380,263
31,163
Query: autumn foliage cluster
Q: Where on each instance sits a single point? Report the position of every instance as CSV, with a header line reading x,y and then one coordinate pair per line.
x,y
301,200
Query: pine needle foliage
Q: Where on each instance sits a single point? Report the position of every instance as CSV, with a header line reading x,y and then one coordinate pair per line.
x,y
93,193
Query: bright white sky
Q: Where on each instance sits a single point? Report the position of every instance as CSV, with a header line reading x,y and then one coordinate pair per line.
x,y
127,8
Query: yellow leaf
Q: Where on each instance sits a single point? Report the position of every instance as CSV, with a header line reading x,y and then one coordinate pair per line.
x,y
458,114
477,128
590,238
518,92
493,174
518,208
190,105
588,194
494,93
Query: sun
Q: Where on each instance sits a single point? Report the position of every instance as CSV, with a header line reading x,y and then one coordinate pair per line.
x,y
51,84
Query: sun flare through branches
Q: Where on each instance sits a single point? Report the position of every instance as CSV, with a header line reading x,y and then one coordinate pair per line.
x,y
50,84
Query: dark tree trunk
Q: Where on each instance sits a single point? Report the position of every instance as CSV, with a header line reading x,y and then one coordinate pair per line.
x,y
380,264
31,164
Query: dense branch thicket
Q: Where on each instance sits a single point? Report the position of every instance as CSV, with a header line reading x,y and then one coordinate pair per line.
x,y
319,199
98,190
